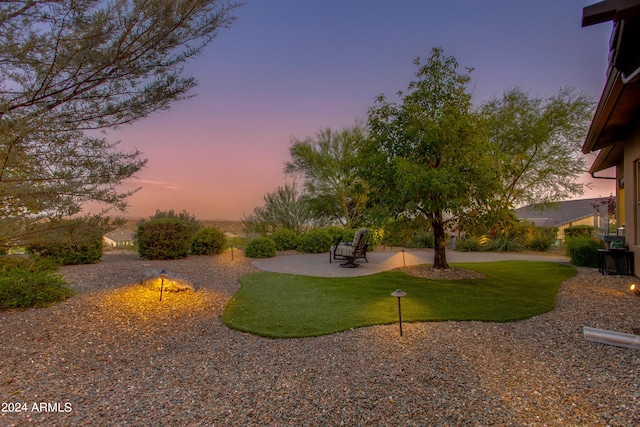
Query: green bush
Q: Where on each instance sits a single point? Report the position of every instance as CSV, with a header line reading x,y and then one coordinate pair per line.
x,y
340,234
69,242
541,238
315,241
505,243
30,282
577,231
470,244
164,238
422,239
583,250
285,239
208,241
261,247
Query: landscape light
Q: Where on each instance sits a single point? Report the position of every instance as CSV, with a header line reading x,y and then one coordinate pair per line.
x,y
634,288
399,294
162,273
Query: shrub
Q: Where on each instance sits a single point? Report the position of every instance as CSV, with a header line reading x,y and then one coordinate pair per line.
x,y
208,241
470,244
541,238
505,243
261,247
578,230
315,241
30,282
70,242
285,239
583,251
340,234
422,239
164,238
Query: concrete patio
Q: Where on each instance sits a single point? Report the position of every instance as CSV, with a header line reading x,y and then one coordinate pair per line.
x,y
318,264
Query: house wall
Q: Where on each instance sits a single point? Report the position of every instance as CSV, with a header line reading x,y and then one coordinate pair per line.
x,y
589,220
631,194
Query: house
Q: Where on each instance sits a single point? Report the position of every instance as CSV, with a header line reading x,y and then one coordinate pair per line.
x,y
615,128
121,238
592,212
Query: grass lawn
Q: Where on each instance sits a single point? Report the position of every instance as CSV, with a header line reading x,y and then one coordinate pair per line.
x,y
287,306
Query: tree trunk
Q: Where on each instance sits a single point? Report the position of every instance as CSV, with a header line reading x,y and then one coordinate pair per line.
x,y
439,256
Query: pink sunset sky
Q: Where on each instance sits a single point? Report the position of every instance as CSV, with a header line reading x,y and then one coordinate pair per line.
x,y
287,68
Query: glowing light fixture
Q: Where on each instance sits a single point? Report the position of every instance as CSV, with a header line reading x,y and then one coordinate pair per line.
x,y
634,288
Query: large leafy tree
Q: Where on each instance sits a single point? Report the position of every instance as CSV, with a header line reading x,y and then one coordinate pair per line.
x,y
535,144
427,154
328,164
70,68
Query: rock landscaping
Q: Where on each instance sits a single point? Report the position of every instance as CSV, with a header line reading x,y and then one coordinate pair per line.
x,y
114,355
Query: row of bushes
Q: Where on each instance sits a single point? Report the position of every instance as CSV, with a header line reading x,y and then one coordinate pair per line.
x,y
313,241
172,238
534,238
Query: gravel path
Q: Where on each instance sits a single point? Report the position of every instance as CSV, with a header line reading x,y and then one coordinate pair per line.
x,y
114,355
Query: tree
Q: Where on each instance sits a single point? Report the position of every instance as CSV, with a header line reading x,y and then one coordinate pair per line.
x,y
328,164
283,208
183,216
427,155
536,145
72,68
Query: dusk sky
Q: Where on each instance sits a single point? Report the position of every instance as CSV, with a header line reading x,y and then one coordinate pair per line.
x,y
287,68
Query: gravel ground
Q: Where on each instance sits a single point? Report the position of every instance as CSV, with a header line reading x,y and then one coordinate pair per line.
x,y
115,355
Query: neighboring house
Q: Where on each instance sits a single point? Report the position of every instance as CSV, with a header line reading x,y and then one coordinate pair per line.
x,y
615,129
118,239
567,214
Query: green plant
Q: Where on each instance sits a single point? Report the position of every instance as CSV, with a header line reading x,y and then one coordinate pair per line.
x,y
69,242
315,241
184,216
208,241
505,243
422,238
578,230
164,238
266,302
583,250
541,238
469,244
285,239
261,247
30,282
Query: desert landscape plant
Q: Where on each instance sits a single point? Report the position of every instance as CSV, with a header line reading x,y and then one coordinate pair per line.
x,y
261,247
164,238
30,282
208,241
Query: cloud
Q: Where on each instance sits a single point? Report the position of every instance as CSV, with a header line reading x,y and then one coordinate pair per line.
x,y
153,184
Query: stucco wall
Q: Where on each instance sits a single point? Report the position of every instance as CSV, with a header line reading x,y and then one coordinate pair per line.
x,y
631,157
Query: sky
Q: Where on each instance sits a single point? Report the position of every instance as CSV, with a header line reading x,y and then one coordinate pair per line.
x,y
289,68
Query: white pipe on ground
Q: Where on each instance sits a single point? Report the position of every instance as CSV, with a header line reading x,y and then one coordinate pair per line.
x,y
619,339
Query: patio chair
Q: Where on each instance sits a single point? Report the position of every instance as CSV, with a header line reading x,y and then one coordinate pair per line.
x,y
350,251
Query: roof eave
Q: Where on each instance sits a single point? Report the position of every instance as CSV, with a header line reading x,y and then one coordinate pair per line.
x,y
610,95
609,10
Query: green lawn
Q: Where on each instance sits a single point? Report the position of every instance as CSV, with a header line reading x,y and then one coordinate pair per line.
x,y
287,306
